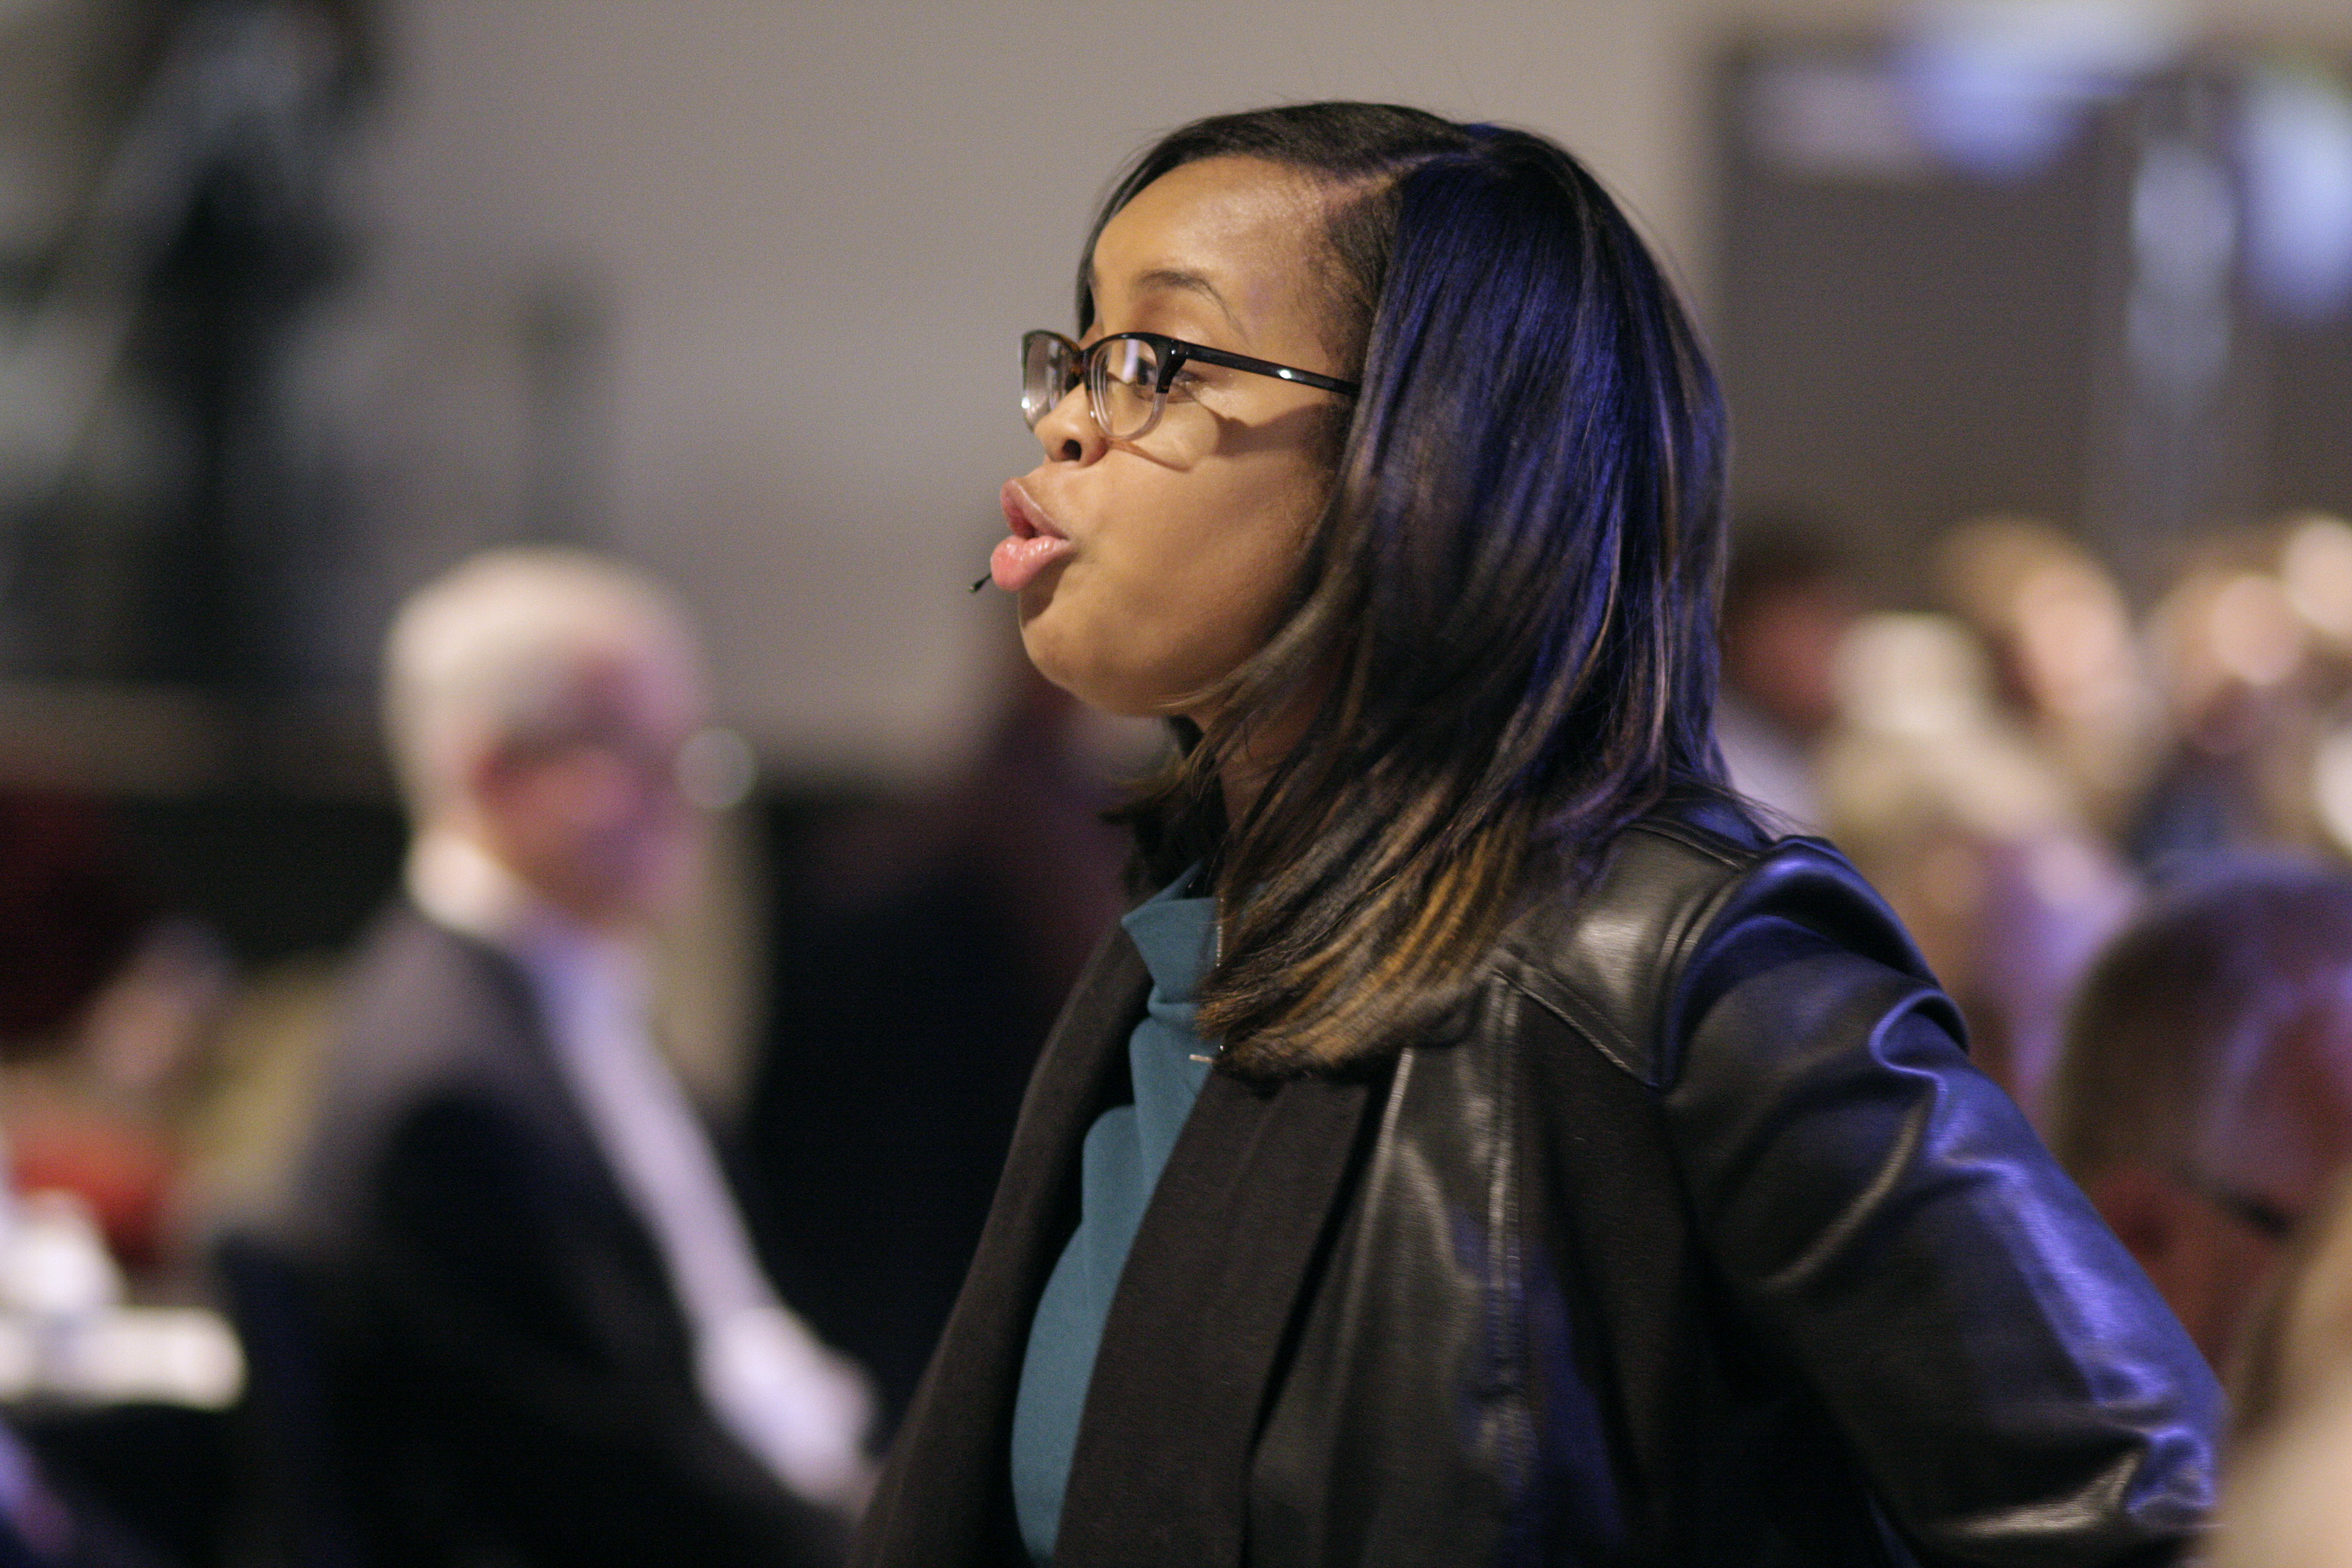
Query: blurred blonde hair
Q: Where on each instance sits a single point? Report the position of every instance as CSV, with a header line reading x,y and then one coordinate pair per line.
x,y
493,652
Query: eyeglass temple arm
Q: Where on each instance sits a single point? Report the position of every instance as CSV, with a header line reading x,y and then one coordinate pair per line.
x,y
1180,351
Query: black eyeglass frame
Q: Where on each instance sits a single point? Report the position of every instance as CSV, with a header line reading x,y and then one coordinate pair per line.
x,y
1173,352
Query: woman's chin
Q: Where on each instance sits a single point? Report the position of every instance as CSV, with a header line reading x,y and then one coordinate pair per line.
x,y
1103,692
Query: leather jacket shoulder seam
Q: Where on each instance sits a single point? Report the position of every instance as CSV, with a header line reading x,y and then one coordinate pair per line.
x,y
1591,1026
1685,930
1720,850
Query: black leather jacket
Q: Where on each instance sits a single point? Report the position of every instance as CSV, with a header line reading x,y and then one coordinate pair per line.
x,y
1698,1242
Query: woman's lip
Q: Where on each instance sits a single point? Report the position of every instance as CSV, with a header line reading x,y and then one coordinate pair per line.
x,y
1019,558
1025,517
1033,545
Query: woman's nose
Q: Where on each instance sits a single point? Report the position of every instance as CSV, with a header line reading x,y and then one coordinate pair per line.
x,y
1068,431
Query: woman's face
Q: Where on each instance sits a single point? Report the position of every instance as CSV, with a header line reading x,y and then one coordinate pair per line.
x,y
1184,543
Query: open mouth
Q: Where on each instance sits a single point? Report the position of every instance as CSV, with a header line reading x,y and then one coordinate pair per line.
x,y
1033,544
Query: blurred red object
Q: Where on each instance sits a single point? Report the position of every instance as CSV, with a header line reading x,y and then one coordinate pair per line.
x,y
122,1170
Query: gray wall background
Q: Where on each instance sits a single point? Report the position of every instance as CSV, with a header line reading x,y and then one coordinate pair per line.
x,y
807,236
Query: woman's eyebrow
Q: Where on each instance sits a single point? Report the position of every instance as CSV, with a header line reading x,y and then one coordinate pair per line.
x,y
1178,278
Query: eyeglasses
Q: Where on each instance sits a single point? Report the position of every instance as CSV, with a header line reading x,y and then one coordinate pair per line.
x,y
1127,375
2257,1214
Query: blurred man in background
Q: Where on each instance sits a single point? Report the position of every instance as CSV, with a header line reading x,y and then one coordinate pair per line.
x,y
547,1334
2203,1098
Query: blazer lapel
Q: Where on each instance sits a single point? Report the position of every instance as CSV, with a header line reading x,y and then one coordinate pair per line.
x,y
945,1497
1195,1331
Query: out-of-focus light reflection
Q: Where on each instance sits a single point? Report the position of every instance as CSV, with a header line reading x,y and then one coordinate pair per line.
x,y
2002,87
2331,787
1819,114
2074,639
2184,247
1918,676
2296,143
716,770
2317,567
2256,635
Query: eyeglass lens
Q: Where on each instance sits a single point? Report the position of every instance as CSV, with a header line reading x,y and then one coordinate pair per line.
x,y
1122,377
1048,368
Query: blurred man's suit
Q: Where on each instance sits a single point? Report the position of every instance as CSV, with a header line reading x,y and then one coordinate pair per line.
x,y
505,1347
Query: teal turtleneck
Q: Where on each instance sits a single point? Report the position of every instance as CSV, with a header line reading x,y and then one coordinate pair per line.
x,y
1125,1151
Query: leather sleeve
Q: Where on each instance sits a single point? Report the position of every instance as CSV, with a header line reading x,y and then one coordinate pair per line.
x,y
2010,1382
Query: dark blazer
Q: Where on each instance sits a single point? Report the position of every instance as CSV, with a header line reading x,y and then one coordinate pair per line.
x,y
1695,1240
504,1352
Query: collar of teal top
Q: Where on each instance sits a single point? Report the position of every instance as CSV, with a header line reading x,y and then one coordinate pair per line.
x,y
1177,936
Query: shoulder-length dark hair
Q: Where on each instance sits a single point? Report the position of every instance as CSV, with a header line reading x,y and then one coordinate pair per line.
x,y
1505,623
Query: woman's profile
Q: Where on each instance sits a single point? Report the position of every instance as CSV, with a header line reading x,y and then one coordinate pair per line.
x,y
1486,1145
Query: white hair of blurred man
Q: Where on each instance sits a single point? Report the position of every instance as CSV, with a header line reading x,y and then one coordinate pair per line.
x,y
514,652
536,701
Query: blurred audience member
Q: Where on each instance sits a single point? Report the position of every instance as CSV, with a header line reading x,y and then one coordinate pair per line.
x,y
1787,601
104,1115
99,1000
2067,667
104,1009
2255,643
1975,838
2236,660
547,1326
923,949
2204,1097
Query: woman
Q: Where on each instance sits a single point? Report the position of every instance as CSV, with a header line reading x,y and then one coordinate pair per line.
x,y
1486,1147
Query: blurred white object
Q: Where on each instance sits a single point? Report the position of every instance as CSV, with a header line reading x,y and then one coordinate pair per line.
x,y
2316,566
802,1407
2331,787
65,1334
2002,87
53,1261
716,768
2295,145
178,1356
145,1355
